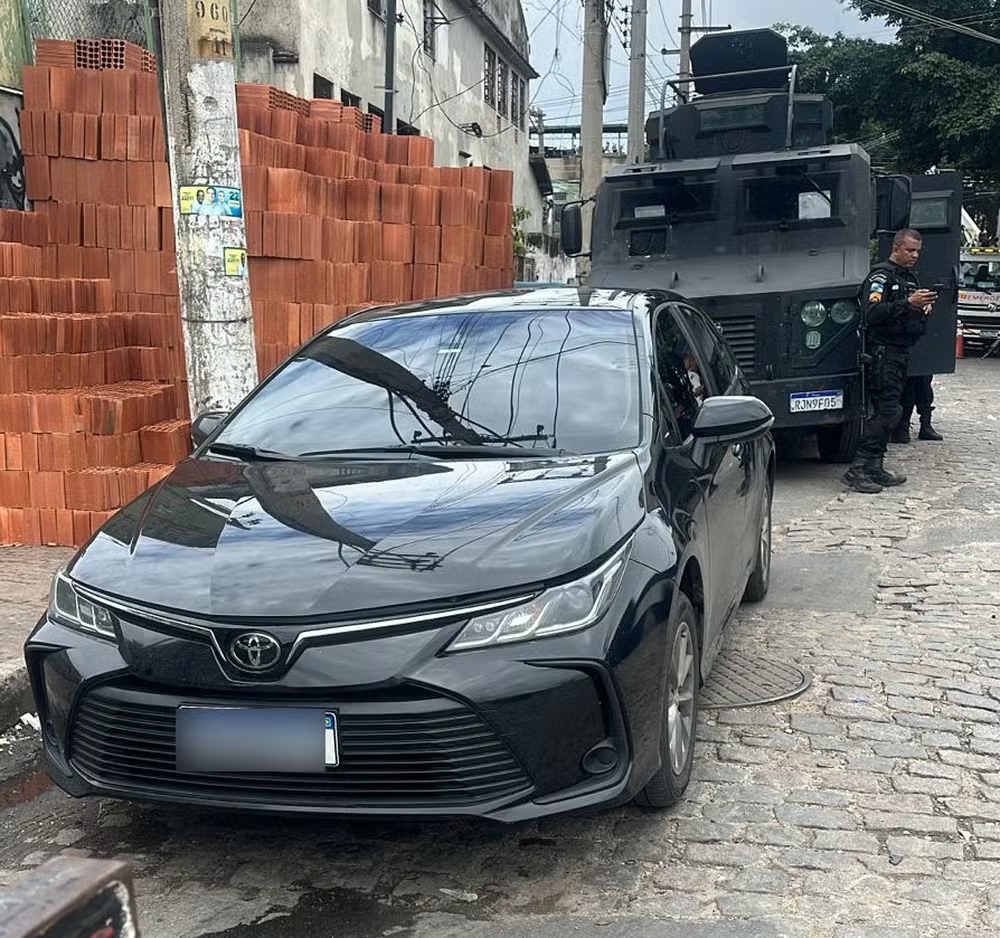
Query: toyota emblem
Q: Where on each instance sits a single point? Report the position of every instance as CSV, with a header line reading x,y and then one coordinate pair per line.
x,y
254,651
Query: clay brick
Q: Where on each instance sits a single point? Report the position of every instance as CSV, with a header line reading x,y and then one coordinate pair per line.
x,y
147,95
120,144
361,200
449,279
71,135
501,186
146,124
457,207
498,252
425,281
91,137
162,193
426,245
455,245
420,151
397,149
499,219
37,96
475,179
396,204
140,184
375,147
397,243
426,208
118,91
134,139
367,242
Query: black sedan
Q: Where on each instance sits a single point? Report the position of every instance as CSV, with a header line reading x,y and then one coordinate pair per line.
x,y
471,557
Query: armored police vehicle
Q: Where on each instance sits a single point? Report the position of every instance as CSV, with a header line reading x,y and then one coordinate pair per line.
x,y
747,208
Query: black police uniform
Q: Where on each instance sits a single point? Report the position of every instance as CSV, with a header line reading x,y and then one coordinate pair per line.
x,y
892,326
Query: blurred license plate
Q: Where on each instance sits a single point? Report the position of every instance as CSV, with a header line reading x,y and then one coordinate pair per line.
x,y
815,400
256,739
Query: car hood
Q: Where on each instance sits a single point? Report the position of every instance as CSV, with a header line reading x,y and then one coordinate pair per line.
x,y
310,538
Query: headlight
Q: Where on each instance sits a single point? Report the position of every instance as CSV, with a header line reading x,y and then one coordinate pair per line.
x,y
843,312
68,607
813,314
562,609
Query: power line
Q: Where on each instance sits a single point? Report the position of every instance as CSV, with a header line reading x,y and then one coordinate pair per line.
x,y
902,10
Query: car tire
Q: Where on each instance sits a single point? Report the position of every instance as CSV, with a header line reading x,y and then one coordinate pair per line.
x,y
760,578
680,703
839,444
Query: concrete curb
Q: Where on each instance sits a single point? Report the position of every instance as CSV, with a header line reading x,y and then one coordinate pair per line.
x,y
15,693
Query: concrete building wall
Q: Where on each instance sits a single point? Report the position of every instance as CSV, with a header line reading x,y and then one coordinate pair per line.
x,y
288,42
13,43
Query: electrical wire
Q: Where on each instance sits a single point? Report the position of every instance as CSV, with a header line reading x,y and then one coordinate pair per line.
x,y
902,10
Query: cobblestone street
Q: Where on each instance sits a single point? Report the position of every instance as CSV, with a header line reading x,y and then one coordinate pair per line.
x,y
869,806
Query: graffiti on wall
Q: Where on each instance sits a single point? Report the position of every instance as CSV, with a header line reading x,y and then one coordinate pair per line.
x,y
11,158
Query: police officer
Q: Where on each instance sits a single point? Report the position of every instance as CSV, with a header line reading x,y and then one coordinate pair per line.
x,y
895,317
919,394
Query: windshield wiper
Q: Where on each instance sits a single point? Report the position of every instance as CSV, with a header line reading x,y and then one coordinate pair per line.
x,y
244,451
442,450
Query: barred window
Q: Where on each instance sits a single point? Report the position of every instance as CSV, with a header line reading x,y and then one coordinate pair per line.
x,y
515,99
502,87
522,96
490,76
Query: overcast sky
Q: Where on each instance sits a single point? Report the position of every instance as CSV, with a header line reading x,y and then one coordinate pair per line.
x,y
557,30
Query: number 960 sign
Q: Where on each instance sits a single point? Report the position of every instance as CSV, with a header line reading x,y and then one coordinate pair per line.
x,y
211,29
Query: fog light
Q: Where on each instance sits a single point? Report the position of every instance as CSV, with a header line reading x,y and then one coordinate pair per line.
x,y
813,340
603,758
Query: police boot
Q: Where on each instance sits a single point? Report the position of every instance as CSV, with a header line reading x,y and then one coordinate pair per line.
x,y
859,478
878,474
927,432
901,434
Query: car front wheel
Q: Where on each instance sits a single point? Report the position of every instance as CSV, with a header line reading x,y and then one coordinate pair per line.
x,y
680,719
760,578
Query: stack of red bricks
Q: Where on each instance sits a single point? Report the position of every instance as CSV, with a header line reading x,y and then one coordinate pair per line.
x,y
93,395
340,216
92,402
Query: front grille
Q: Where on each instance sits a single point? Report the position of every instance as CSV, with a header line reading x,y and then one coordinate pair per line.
x,y
991,323
741,335
425,752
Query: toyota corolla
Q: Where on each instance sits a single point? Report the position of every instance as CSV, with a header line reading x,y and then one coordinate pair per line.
x,y
470,557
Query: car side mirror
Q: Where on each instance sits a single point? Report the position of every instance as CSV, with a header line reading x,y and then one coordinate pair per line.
x,y
571,230
205,425
727,420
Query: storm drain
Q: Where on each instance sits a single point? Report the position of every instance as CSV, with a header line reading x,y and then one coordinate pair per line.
x,y
751,680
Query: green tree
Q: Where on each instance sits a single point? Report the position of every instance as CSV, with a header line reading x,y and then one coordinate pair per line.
x,y
926,97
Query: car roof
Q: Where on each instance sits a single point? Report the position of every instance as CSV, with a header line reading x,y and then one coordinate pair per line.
x,y
553,298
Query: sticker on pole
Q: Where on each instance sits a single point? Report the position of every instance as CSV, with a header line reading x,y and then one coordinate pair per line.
x,y
211,29
211,201
236,262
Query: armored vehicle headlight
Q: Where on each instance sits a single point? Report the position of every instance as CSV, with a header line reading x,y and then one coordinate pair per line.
x,y
843,312
813,314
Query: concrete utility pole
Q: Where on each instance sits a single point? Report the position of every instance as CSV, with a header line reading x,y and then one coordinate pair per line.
x,y
203,141
685,65
637,84
389,108
595,39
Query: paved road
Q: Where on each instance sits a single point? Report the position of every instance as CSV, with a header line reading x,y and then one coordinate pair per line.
x,y
870,806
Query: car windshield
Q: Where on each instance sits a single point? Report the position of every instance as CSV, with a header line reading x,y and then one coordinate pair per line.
x,y
521,380
981,275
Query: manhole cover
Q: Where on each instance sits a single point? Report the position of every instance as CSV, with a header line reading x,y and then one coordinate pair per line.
x,y
742,680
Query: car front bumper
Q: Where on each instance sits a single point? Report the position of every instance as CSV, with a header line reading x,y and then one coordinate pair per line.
x,y
509,734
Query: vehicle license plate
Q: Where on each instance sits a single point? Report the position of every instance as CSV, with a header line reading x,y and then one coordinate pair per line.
x,y
256,739
807,401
